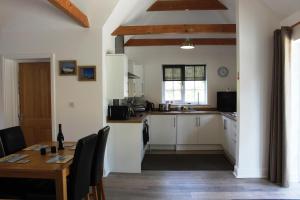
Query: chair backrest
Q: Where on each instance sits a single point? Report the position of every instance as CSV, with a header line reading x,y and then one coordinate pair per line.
x,y
98,161
81,167
12,139
2,153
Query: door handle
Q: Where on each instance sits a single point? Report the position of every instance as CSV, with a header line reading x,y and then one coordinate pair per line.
x,y
20,116
196,121
199,123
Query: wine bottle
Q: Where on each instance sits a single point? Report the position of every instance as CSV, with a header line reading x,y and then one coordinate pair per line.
x,y
60,138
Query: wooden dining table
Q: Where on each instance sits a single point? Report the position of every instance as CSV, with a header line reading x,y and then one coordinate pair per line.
x,y
38,168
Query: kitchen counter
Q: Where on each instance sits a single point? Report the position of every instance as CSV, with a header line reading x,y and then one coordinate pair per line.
x,y
139,118
229,115
188,112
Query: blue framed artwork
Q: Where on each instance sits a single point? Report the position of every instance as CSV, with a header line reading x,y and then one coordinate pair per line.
x,y
87,73
67,67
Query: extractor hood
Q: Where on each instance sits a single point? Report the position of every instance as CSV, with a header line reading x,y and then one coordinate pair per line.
x,y
132,76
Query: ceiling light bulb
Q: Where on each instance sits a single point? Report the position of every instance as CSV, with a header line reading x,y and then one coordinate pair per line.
x,y
187,44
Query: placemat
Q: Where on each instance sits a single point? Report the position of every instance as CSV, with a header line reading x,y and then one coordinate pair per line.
x,y
13,158
36,147
60,159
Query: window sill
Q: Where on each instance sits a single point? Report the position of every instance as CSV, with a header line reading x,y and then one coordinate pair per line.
x,y
187,104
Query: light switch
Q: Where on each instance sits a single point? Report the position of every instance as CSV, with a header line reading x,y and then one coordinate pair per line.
x,y
71,104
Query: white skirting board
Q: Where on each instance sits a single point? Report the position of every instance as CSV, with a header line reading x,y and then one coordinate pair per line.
x,y
200,147
250,173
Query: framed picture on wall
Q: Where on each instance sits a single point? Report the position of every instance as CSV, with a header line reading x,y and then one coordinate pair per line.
x,y
68,67
87,73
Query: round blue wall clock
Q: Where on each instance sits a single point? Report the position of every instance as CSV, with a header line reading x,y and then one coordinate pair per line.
x,y
223,71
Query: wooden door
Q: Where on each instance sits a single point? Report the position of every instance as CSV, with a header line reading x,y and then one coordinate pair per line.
x,y
35,102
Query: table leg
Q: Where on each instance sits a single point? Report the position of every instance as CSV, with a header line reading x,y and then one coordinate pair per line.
x,y
61,186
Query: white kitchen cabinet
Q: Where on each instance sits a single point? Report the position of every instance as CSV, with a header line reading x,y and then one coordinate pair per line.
x,y
230,137
187,129
198,129
163,130
127,150
210,129
117,76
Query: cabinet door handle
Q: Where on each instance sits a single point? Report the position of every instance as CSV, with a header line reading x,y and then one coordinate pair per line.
x,y
196,122
174,122
199,123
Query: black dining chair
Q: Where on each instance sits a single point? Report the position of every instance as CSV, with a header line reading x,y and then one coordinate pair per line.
x,y
98,165
11,188
2,153
79,178
12,140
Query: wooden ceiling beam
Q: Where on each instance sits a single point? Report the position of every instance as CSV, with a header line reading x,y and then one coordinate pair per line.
x,y
176,28
178,42
70,9
177,5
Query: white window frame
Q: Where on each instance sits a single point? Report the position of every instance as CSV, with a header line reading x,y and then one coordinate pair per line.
x,y
182,101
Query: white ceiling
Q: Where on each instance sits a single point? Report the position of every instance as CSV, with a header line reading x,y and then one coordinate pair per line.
x,y
283,8
185,17
40,14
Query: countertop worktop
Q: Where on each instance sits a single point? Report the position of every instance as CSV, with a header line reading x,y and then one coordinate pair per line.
x,y
188,112
229,115
140,117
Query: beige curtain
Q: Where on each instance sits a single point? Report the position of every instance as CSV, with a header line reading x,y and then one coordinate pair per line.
x,y
278,151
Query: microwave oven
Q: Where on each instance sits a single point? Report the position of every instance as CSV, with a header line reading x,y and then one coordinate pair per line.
x,y
118,112
226,101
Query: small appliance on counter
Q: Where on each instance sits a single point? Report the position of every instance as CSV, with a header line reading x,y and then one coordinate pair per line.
x,y
164,107
149,106
119,112
226,101
139,108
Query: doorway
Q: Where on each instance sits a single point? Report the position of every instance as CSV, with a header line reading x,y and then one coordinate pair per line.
x,y
35,101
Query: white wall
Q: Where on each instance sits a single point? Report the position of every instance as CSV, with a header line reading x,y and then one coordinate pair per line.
x,y
82,45
10,96
1,95
256,24
152,58
47,31
123,10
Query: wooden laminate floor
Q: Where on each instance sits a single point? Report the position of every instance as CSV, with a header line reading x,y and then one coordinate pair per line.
x,y
201,185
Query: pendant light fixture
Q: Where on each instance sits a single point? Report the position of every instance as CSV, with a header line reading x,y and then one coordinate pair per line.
x,y
187,45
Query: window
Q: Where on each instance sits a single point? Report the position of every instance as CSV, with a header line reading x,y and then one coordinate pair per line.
x,y
185,84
